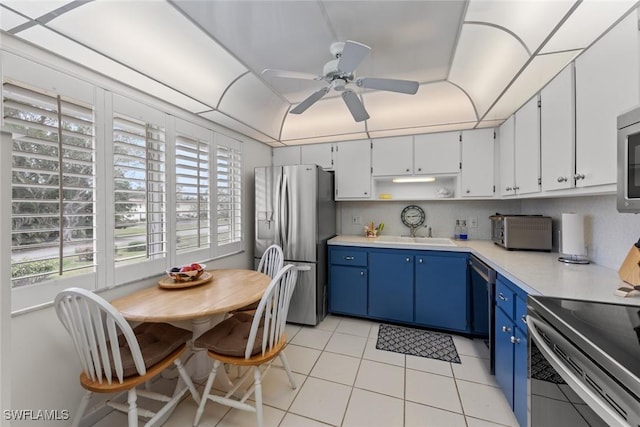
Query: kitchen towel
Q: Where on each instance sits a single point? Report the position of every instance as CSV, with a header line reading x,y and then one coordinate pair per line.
x,y
572,234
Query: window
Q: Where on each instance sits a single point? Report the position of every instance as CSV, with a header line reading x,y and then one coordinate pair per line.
x,y
228,194
193,229
52,185
139,189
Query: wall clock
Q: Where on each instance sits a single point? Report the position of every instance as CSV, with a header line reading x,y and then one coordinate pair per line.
x,y
412,216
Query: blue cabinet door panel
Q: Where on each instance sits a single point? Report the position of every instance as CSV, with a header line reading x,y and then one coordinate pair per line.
x,y
348,290
504,354
520,371
391,286
442,292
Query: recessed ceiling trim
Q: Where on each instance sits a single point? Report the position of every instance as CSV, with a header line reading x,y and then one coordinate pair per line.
x,y
532,56
242,122
473,104
284,119
506,30
332,29
224,92
61,10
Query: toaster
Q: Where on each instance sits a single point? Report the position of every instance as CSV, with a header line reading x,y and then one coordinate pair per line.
x,y
524,232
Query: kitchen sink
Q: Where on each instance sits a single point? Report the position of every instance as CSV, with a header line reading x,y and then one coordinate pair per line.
x,y
431,241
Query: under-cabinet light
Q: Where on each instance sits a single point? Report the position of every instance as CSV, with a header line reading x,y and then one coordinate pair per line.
x,y
415,179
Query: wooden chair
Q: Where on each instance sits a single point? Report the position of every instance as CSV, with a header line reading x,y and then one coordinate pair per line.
x,y
251,341
270,264
117,358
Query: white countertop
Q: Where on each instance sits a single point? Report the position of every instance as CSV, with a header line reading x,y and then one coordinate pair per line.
x,y
538,273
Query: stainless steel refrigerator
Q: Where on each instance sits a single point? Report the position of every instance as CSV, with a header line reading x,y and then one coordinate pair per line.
x,y
295,209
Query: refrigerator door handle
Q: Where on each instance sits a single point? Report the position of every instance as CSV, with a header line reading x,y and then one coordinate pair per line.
x,y
284,213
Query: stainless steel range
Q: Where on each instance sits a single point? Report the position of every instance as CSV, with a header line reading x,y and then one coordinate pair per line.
x,y
584,363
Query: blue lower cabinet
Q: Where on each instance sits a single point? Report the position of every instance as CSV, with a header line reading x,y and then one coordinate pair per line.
x,y
348,290
442,291
511,351
503,348
391,286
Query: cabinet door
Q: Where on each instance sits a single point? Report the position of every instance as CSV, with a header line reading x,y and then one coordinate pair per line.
x,y
392,156
317,154
557,132
391,286
348,290
285,156
436,153
503,350
606,85
353,170
476,179
520,370
507,157
441,290
527,151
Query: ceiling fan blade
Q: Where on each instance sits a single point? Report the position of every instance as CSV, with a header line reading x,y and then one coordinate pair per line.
x,y
352,55
290,74
309,101
391,85
355,106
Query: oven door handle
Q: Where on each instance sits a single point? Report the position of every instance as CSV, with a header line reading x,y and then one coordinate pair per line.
x,y
577,384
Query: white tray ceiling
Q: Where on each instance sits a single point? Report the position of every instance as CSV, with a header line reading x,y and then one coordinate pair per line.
x,y
476,61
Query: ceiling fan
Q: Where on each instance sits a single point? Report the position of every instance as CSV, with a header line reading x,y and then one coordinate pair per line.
x,y
340,73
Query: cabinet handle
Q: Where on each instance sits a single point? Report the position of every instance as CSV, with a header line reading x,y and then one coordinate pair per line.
x,y
349,258
516,188
508,188
506,329
420,260
407,170
562,179
502,297
419,169
362,273
515,340
408,259
366,194
468,191
523,318
578,176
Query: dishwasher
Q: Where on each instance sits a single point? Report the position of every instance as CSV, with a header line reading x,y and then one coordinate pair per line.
x,y
483,282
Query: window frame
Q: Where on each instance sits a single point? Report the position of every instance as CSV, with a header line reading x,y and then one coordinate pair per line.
x,y
234,246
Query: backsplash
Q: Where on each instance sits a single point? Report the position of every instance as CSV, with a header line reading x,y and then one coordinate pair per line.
x,y
608,234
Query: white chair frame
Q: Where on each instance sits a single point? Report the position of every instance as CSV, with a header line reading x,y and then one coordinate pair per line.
x,y
272,310
95,327
271,261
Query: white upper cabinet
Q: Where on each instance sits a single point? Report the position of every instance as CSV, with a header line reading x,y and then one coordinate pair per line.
x,y
557,128
317,154
353,169
606,85
286,156
392,156
436,153
520,151
527,148
507,157
476,178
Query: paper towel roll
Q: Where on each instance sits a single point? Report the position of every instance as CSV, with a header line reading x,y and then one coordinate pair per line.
x,y
573,234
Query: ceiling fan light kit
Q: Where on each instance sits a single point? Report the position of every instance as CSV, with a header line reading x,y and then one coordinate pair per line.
x,y
339,73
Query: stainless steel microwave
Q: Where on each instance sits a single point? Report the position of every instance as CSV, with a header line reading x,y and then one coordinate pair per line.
x,y
629,161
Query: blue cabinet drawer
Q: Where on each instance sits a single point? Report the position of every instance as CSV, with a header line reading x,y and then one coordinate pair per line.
x,y
505,298
348,256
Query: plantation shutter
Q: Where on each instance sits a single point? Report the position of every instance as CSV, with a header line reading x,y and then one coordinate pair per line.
x,y
193,229
139,189
228,195
53,184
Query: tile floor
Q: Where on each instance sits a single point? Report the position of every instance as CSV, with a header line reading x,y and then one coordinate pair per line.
x,y
343,380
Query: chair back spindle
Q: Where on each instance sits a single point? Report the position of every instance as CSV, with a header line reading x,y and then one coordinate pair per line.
x,y
272,261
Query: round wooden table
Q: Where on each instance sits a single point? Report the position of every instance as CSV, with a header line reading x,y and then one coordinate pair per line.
x,y
204,305
226,291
